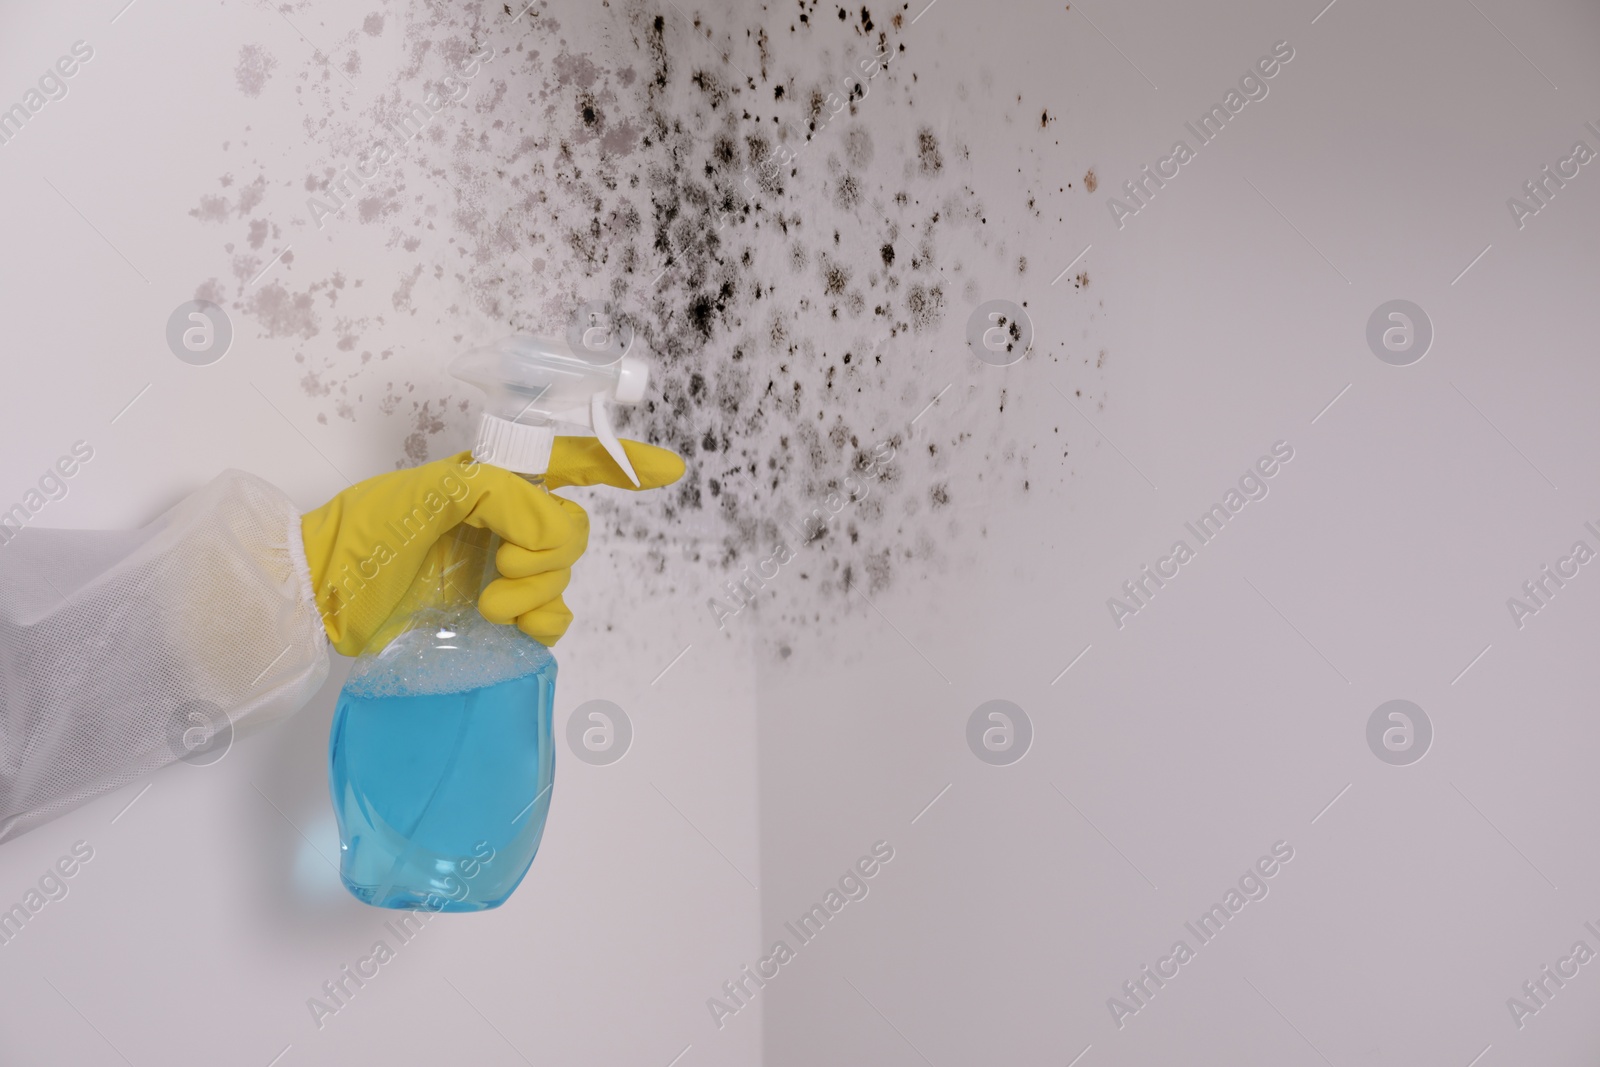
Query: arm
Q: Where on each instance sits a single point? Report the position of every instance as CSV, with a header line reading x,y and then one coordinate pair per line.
x,y
122,650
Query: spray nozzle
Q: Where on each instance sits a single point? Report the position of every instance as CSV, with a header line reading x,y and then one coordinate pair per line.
x,y
533,385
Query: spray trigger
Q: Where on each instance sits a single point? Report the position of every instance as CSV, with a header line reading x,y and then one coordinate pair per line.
x,y
533,386
600,422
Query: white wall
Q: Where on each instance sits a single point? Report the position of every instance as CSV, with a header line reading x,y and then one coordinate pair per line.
x,y
1182,746
832,713
211,911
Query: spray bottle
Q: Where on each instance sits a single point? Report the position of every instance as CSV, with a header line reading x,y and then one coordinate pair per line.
x,y
441,758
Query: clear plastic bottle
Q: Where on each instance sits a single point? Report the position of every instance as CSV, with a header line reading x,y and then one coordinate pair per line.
x,y
441,758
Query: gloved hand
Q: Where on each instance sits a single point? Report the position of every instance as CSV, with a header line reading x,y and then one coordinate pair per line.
x,y
366,545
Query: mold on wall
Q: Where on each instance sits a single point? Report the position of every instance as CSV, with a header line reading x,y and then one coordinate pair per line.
x,y
780,202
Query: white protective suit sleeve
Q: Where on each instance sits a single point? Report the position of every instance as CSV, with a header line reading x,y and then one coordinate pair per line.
x,y
121,650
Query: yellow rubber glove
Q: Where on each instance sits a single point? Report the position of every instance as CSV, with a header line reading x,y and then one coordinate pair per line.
x,y
366,545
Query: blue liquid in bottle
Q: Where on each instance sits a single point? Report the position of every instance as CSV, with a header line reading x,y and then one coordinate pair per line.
x,y
441,758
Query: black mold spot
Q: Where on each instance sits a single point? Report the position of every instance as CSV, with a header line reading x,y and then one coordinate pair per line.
x,y
926,306
834,277
848,193
928,157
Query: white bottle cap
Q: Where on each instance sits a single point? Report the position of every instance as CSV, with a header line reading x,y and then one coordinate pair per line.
x,y
516,446
633,377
